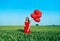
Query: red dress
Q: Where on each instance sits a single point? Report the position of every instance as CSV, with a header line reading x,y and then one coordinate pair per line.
x,y
26,28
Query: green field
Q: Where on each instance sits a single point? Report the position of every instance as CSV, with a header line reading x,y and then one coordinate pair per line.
x,y
38,33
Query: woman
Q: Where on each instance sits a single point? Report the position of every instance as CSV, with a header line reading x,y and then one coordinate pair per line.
x,y
27,26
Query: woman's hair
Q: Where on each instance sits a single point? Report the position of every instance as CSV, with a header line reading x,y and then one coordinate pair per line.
x,y
28,19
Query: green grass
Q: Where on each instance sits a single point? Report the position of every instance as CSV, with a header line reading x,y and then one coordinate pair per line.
x,y
38,33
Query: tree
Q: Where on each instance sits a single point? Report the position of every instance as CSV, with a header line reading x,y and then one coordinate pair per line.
x,y
37,24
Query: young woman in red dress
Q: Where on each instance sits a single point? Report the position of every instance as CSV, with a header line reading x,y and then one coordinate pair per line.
x,y
27,26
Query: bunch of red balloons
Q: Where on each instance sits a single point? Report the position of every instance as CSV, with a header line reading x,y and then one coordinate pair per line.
x,y
36,15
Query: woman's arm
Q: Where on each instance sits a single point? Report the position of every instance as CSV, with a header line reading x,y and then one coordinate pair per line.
x,y
24,24
29,27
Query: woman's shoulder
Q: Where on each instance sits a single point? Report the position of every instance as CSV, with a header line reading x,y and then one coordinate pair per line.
x,y
27,22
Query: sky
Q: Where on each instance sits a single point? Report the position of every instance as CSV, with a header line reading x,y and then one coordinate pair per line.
x,y
14,12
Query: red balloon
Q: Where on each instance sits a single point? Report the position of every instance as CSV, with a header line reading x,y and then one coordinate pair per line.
x,y
39,15
34,16
36,11
37,20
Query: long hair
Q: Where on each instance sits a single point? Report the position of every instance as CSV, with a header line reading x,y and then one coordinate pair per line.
x,y
28,19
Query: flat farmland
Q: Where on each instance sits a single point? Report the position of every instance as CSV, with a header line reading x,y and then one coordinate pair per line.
x,y
38,33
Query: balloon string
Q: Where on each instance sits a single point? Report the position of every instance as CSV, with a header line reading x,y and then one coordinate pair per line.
x,y
34,21
31,19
